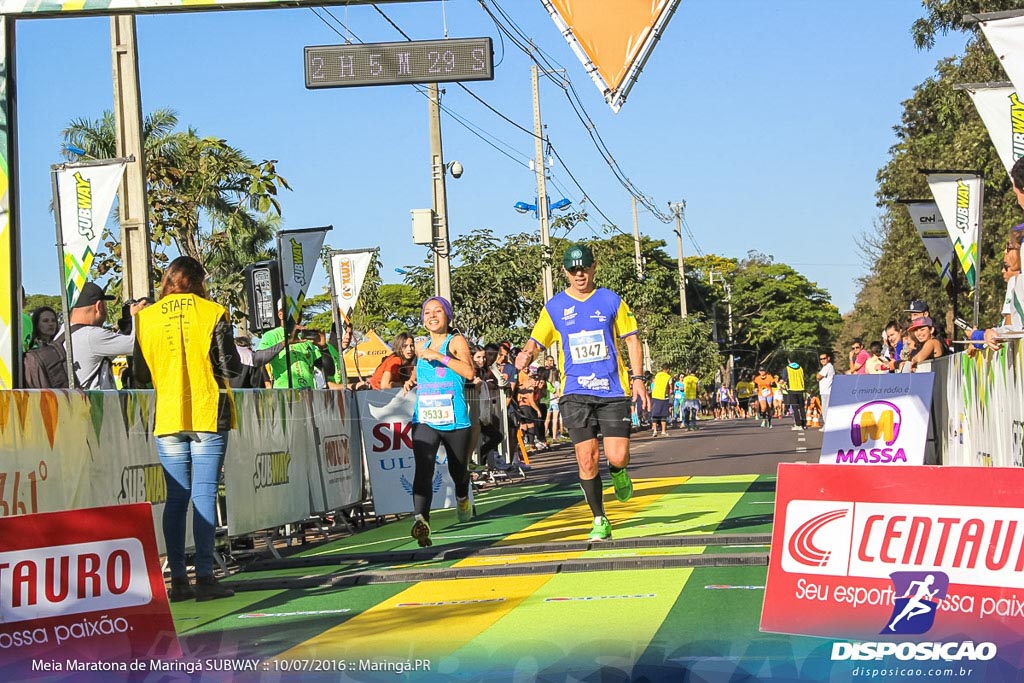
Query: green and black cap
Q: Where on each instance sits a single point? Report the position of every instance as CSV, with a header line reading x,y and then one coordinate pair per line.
x,y
578,256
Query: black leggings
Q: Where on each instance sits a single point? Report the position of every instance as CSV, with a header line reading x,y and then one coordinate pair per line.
x,y
425,441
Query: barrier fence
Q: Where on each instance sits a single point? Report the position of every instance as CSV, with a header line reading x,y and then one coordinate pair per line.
x,y
295,454
292,455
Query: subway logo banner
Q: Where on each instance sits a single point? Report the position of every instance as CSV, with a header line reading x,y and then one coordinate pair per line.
x,y
83,588
932,230
1003,114
85,195
908,568
959,198
298,252
878,420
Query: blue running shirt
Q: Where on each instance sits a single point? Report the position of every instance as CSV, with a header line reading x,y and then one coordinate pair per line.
x,y
440,394
588,331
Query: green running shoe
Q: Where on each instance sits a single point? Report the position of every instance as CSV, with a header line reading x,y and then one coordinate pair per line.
x,y
421,532
463,509
623,485
602,530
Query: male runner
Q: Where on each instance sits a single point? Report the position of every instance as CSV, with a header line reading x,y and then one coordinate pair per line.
x,y
588,322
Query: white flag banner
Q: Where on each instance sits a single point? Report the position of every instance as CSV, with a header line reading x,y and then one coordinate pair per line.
x,y
1003,115
298,252
85,194
348,268
959,198
1006,36
932,230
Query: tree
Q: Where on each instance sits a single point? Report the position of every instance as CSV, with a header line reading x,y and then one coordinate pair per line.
x,y
205,197
779,313
939,128
685,344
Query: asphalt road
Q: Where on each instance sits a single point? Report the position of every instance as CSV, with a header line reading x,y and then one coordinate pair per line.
x,y
716,448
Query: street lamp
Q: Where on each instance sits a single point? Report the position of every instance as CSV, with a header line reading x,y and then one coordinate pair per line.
x,y
560,205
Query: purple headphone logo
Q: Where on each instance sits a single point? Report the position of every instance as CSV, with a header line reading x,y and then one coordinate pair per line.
x,y
867,426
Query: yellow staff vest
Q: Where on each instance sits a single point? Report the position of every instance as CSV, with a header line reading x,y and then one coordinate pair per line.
x,y
175,336
796,378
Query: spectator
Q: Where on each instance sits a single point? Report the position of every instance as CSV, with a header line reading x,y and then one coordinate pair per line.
x,y
490,409
44,327
304,356
1013,303
93,346
858,357
876,365
397,368
184,348
825,377
253,374
893,346
927,346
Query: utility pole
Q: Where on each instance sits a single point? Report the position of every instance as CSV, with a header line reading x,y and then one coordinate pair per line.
x,y
678,208
636,245
732,369
442,268
542,189
132,208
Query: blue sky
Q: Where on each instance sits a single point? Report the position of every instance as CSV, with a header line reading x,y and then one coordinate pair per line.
x,y
769,119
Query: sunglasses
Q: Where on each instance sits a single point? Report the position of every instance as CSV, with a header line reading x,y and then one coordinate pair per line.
x,y
576,270
823,358
1005,268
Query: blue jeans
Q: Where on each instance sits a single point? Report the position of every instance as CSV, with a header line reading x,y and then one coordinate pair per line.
x,y
192,463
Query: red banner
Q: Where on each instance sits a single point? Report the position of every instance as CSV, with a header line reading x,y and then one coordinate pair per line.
x,y
82,591
915,557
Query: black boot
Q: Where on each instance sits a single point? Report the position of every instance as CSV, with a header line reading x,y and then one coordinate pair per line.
x,y
207,588
181,589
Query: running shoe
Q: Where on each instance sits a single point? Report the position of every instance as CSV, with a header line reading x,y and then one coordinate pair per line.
x,y
421,532
623,485
463,509
602,530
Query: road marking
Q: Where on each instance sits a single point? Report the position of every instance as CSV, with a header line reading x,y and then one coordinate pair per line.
x,y
801,449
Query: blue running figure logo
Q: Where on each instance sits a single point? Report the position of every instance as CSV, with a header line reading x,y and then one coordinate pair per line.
x,y
918,595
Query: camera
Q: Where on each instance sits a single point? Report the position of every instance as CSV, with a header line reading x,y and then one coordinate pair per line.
x,y
309,335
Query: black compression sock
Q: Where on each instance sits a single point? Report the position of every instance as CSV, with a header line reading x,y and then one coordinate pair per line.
x,y
592,491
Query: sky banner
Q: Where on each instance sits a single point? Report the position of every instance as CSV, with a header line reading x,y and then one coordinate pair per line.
x,y
85,195
298,252
612,46
959,197
348,269
1003,115
1006,36
932,230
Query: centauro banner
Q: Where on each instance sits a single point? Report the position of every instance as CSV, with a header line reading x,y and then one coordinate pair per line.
x,y
85,193
613,44
1006,36
348,268
932,230
1003,115
959,198
298,252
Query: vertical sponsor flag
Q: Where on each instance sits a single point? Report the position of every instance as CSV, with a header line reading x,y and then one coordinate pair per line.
x,y
1006,36
348,268
613,46
1003,114
85,195
958,196
298,252
932,230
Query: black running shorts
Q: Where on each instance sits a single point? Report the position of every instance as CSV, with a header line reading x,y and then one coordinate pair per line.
x,y
587,416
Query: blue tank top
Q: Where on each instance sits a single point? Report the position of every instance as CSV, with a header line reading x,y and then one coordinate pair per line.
x,y
440,394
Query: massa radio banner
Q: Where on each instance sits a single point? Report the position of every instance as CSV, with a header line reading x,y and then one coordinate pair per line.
x,y
878,420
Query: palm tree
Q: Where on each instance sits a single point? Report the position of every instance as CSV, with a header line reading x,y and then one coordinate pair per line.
x,y
205,197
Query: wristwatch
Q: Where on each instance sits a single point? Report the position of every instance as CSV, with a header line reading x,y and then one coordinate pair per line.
x,y
633,377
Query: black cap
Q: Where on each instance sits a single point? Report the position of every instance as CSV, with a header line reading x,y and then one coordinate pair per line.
x,y
578,256
90,294
917,306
